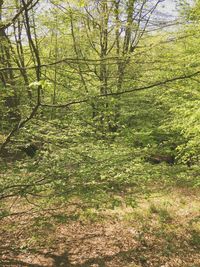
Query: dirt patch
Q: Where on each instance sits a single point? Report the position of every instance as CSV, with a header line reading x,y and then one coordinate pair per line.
x,y
154,234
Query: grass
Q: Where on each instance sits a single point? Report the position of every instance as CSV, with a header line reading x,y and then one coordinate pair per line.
x,y
163,213
162,229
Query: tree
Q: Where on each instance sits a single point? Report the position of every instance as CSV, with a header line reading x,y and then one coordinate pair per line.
x,y
95,102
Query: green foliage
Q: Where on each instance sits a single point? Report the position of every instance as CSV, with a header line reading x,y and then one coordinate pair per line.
x,y
195,239
92,150
163,213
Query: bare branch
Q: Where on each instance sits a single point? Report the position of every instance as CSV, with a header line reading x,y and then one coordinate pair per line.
x,y
30,4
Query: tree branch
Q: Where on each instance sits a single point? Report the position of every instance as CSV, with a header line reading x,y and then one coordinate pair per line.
x,y
30,4
159,83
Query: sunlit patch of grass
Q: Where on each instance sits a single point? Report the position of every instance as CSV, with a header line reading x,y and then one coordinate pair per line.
x,y
195,239
90,215
163,213
134,265
138,216
2,138
194,230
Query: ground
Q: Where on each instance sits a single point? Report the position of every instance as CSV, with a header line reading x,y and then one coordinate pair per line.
x,y
162,231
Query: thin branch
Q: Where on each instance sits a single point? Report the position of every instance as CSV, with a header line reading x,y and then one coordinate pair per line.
x,y
19,126
30,4
65,60
159,83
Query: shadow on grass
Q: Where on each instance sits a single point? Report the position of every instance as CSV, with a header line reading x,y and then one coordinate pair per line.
x,y
17,263
62,260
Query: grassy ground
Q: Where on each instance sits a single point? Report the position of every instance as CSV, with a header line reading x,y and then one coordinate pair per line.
x,y
162,231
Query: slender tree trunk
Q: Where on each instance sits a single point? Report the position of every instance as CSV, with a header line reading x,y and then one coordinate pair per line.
x,y
7,76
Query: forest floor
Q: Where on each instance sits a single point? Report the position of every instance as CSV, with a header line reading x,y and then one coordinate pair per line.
x,y
162,231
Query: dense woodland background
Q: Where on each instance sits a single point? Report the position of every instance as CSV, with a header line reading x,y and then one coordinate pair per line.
x,y
99,103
